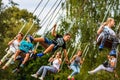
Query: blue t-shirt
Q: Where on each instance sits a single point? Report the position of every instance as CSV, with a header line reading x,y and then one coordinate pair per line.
x,y
25,46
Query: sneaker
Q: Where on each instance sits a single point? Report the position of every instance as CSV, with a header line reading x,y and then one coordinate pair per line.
x,y
101,47
40,54
34,75
112,52
41,78
15,70
69,77
90,72
12,62
73,78
22,65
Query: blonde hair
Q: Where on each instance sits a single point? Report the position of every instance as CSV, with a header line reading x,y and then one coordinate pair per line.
x,y
59,54
108,21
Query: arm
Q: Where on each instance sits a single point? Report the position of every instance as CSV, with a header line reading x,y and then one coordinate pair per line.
x,y
53,31
101,28
73,58
82,60
65,54
51,58
59,61
9,43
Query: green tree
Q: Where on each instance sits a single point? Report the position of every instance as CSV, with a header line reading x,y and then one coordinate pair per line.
x,y
11,21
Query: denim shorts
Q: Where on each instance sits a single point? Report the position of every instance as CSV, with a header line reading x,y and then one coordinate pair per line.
x,y
48,41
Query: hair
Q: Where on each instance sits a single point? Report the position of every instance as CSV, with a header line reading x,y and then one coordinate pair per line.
x,y
67,34
113,55
80,51
21,34
59,54
108,21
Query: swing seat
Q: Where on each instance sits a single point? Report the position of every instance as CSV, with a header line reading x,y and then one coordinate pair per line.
x,y
108,43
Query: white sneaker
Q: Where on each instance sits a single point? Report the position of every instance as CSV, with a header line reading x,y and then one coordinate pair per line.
x,y
90,72
34,75
15,70
41,78
12,62
119,41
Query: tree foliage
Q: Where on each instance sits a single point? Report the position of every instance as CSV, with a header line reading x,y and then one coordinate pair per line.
x,y
88,15
12,20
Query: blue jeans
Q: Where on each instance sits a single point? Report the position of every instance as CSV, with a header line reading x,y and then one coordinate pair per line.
x,y
75,69
44,69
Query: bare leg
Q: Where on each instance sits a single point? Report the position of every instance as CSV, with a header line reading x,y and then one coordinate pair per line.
x,y
39,39
49,49
116,75
8,62
100,67
42,42
26,58
16,54
44,45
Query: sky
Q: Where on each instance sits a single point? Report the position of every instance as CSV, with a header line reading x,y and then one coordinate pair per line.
x,y
30,5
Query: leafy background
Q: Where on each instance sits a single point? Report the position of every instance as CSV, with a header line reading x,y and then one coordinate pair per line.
x,y
87,14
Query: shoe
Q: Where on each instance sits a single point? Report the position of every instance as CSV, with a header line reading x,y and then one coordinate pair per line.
x,y
112,52
40,54
22,65
41,78
34,75
15,70
31,38
69,77
90,72
73,78
12,62
101,47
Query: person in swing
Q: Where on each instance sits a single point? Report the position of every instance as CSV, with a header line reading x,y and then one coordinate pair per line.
x,y
108,65
54,68
76,61
105,32
13,47
25,48
53,45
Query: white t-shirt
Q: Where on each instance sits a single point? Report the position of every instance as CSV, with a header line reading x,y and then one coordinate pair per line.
x,y
100,37
56,64
109,30
14,46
